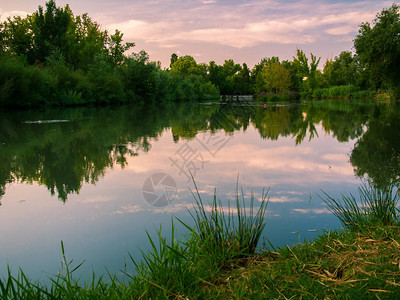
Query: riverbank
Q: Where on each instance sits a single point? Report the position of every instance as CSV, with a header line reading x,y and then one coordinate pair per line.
x,y
218,259
338,264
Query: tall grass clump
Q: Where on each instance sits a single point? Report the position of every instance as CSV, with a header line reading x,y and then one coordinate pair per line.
x,y
223,234
374,207
220,240
169,268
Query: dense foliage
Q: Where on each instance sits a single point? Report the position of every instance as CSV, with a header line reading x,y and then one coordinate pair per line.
x,y
53,57
378,48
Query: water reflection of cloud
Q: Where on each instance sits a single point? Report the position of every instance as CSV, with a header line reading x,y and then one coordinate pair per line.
x,y
289,192
259,163
129,210
284,160
171,208
283,199
317,211
181,207
338,157
98,199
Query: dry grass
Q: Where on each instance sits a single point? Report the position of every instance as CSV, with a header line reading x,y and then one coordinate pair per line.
x,y
337,265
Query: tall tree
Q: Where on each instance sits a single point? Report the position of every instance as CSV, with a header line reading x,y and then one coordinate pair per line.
x,y
242,82
306,72
344,69
378,48
116,48
16,37
174,58
185,65
50,29
276,78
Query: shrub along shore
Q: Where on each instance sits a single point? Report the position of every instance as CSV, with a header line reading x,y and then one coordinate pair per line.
x,y
218,258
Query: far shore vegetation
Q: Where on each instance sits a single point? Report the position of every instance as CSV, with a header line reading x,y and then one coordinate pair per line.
x,y
53,57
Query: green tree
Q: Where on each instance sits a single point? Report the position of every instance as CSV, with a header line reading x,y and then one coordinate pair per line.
x,y
16,38
276,77
184,65
230,67
344,69
230,70
174,58
327,72
271,76
116,48
86,41
256,74
378,48
242,81
217,76
50,29
306,72
2,44
230,78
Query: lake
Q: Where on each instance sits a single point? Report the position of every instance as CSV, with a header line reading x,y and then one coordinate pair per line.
x,y
98,178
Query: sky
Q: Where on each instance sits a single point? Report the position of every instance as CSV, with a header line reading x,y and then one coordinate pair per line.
x,y
215,30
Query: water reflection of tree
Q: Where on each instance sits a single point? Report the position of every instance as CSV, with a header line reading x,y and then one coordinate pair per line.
x,y
62,156
377,153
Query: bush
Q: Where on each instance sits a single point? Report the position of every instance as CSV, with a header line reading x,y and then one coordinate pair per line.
x,y
341,91
22,85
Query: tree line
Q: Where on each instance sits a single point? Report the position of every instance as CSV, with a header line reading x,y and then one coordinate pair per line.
x,y
53,57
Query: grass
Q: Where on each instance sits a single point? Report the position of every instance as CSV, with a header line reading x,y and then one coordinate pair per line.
x,y
220,240
341,92
225,234
374,207
218,258
343,265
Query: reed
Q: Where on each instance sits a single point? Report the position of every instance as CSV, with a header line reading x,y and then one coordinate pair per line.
x,y
220,239
224,234
374,207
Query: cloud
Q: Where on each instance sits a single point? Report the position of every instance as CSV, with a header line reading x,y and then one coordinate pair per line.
x,y
341,30
353,18
244,24
15,13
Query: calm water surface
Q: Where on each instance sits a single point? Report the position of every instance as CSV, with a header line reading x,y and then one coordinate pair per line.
x,y
98,178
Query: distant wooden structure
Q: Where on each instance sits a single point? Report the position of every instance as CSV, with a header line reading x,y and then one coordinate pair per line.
x,y
237,98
